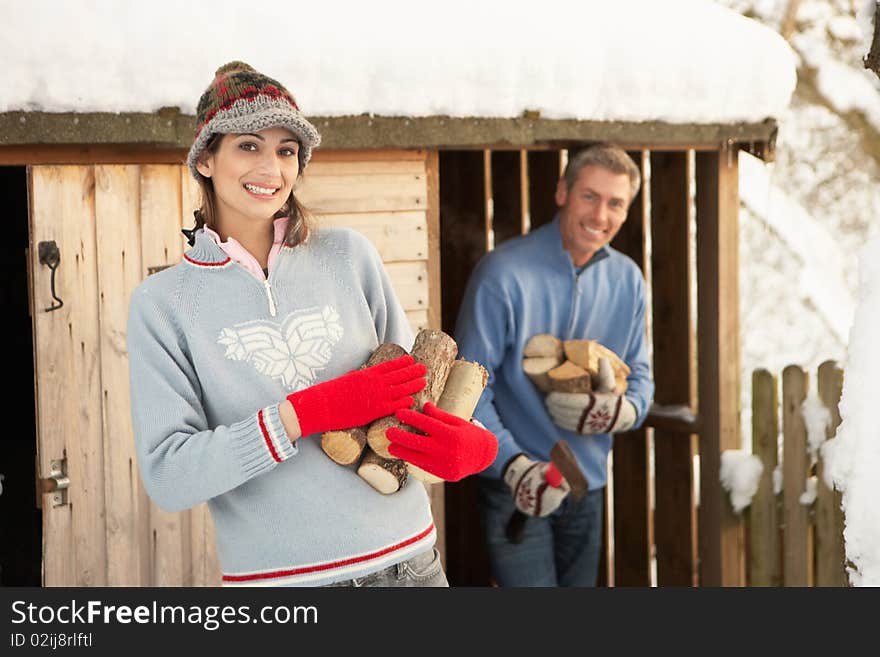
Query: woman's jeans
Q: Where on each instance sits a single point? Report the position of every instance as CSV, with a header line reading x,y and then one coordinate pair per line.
x,y
561,549
423,570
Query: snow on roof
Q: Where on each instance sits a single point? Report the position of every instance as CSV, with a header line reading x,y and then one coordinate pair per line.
x,y
680,61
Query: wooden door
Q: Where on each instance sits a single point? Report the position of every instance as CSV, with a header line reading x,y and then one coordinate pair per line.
x,y
111,225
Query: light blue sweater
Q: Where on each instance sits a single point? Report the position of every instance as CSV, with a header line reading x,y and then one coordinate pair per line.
x,y
212,352
528,286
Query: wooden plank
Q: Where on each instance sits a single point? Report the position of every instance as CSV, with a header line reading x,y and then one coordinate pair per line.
x,y
410,281
765,567
794,476
633,522
160,205
721,540
830,553
372,155
432,166
418,320
88,154
383,192
369,166
674,341
525,219
119,267
506,195
462,243
396,235
543,175
68,374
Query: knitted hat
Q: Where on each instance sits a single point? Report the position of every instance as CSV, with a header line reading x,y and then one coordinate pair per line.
x,y
242,100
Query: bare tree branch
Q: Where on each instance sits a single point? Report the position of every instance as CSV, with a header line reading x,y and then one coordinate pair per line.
x,y
872,59
788,21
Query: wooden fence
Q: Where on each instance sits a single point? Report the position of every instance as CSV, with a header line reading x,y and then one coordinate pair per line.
x,y
790,543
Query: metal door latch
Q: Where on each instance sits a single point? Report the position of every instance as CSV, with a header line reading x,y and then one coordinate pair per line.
x,y
57,482
49,255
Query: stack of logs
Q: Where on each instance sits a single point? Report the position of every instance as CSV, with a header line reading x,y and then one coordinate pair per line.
x,y
453,385
570,365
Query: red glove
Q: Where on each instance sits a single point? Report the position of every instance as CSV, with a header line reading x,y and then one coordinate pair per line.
x,y
452,448
358,397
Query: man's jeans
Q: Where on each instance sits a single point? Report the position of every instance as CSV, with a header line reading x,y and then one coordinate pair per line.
x,y
561,549
423,570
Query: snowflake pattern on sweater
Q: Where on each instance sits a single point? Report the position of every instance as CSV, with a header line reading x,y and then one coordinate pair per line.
x,y
293,352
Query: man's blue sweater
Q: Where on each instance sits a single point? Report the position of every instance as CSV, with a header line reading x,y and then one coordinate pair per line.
x,y
528,286
212,353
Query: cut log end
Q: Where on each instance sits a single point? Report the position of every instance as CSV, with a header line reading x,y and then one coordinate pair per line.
x,y
568,377
544,345
385,475
421,475
345,446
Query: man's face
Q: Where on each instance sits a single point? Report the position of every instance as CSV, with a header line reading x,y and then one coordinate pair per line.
x,y
592,211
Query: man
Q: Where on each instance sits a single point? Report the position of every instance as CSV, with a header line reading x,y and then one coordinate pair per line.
x,y
563,279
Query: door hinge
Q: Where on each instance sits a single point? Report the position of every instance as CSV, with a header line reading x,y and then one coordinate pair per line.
x,y
57,483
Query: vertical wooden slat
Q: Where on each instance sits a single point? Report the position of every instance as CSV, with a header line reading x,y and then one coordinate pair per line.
x,y
830,554
675,522
765,568
633,531
204,568
117,190
160,209
506,195
68,373
721,536
462,244
525,219
436,492
794,476
543,174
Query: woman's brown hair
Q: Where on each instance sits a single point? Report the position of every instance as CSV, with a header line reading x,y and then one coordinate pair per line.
x,y
300,219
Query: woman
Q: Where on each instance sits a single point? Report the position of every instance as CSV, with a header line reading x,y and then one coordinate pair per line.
x,y
253,344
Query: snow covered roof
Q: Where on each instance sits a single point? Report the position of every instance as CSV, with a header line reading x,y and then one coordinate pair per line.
x,y
677,61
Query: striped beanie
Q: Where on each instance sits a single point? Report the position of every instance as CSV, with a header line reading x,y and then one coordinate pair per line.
x,y
242,100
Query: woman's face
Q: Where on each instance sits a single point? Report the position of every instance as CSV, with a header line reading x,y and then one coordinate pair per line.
x,y
253,175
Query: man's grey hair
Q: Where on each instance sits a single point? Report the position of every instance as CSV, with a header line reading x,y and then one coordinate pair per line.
x,y
607,156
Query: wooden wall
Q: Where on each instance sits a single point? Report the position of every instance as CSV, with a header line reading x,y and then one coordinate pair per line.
x,y
113,224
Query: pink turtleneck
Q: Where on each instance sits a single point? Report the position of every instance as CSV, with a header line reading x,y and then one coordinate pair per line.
x,y
244,257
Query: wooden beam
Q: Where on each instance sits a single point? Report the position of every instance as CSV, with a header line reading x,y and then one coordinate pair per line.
x,y
721,538
675,521
170,129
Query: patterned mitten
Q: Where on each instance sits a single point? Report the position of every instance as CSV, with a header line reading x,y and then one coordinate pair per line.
x,y
592,412
359,397
452,448
537,486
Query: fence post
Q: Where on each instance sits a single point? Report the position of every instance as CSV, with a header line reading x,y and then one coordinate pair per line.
x,y
764,556
794,474
830,555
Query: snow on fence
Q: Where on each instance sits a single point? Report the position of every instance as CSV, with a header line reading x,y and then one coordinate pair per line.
x,y
794,524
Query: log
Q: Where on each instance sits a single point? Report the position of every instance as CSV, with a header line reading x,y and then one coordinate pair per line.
x,y
385,475
346,445
586,354
536,369
464,386
568,377
544,345
437,351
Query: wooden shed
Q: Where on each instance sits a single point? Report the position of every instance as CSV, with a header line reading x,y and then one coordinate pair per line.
x,y
96,202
